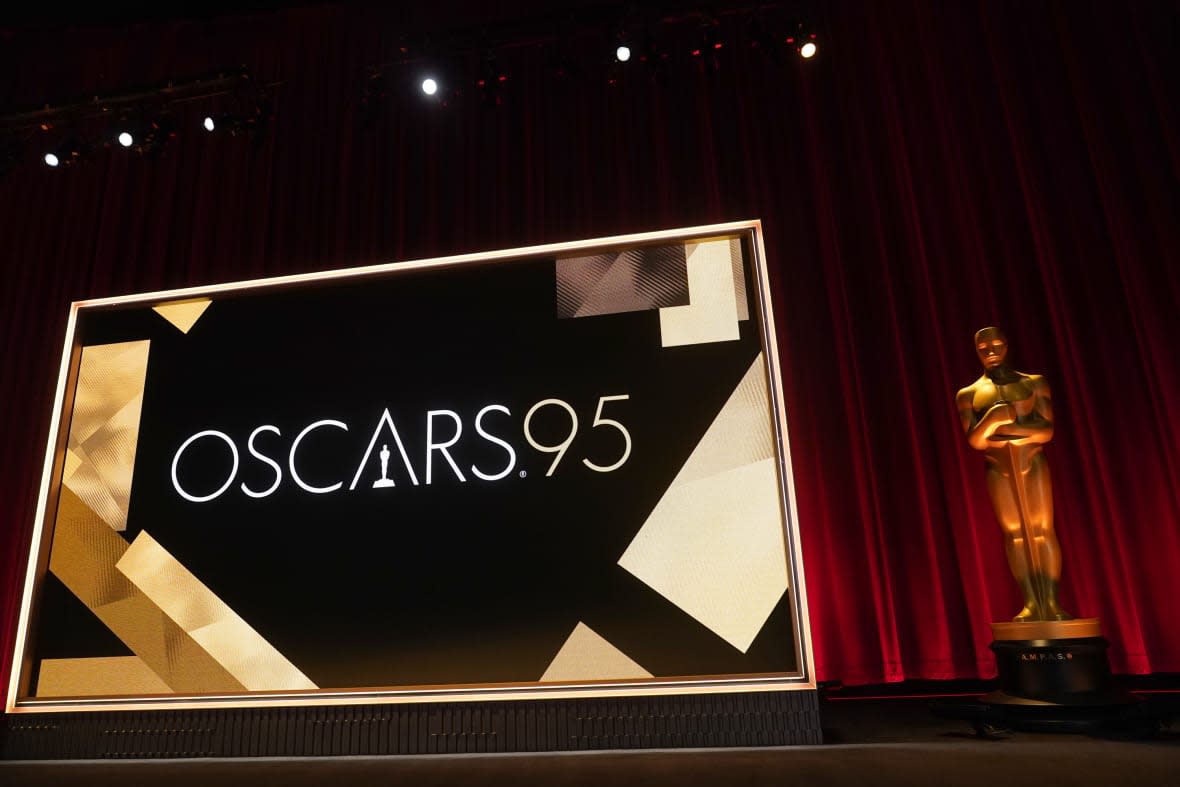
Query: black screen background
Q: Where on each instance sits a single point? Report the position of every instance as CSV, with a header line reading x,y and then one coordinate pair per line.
x,y
452,583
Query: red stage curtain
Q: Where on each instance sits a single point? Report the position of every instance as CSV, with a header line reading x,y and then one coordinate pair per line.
x,y
940,167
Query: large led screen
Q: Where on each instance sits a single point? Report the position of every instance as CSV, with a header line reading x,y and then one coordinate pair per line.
x,y
553,471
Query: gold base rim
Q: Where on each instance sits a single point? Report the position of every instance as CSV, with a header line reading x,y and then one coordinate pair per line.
x,y
1078,628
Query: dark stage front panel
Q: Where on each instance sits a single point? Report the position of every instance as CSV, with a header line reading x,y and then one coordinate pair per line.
x,y
701,720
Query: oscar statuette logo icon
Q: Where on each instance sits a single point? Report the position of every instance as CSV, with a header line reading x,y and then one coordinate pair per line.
x,y
384,482
1044,655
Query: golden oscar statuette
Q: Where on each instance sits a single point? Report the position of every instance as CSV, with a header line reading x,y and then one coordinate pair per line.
x,y
1044,655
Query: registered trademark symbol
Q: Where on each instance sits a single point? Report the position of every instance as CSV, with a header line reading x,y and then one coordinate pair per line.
x,y
523,473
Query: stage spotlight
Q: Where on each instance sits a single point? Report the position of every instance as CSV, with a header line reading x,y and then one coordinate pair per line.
x,y
148,136
804,41
251,119
242,111
66,154
245,112
622,35
429,86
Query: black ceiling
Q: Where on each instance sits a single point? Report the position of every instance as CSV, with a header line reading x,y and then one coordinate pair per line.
x,y
34,15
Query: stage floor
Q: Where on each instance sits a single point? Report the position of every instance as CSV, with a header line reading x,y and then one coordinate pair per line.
x,y
869,741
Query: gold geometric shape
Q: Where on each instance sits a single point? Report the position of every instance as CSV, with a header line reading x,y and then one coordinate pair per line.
x,y
104,428
587,656
109,376
712,311
91,677
639,279
83,556
713,545
183,314
740,433
739,279
72,463
208,620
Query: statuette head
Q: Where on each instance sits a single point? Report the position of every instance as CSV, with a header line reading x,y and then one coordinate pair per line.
x,y
991,345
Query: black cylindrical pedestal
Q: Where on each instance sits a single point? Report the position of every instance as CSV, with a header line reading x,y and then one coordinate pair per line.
x,y
1054,677
1063,671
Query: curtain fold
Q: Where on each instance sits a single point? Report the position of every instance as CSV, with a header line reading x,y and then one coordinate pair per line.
x,y
938,168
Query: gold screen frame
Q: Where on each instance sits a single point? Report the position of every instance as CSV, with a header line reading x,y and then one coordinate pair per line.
x,y
59,456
